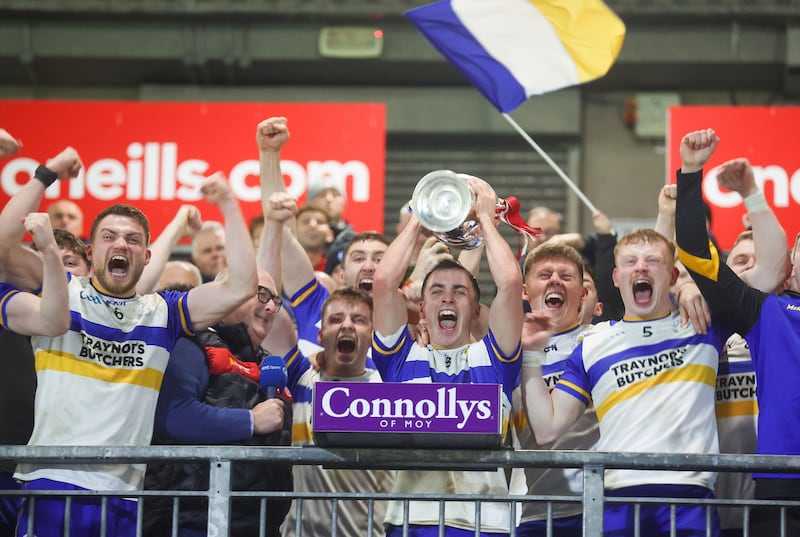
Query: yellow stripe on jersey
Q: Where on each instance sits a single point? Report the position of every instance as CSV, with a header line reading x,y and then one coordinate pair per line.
x,y
293,357
302,297
379,350
704,267
301,432
506,423
3,302
499,353
577,388
67,363
184,324
736,408
690,373
519,421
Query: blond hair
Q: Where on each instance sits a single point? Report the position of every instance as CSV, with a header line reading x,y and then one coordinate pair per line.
x,y
557,250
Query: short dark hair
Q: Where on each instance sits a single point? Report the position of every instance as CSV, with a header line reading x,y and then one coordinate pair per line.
x,y
590,271
364,236
312,208
347,294
67,241
121,209
450,264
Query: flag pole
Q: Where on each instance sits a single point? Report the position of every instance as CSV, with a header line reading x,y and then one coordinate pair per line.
x,y
552,164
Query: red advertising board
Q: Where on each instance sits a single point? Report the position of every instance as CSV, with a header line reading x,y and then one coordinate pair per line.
x,y
154,154
767,137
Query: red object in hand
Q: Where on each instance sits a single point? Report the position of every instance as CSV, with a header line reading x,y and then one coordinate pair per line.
x,y
221,360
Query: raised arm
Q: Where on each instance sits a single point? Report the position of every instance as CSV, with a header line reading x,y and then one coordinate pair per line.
x,y
604,245
49,315
665,221
691,235
432,252
280,207
505,313
550,413
23,267
295,268
271,134
8,144
390,304
730,299
280,254
209,302
772,265
186,221
471,260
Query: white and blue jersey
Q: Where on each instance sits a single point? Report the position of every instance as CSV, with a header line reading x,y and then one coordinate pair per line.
x,y
307,305
653,386
98,383
399,359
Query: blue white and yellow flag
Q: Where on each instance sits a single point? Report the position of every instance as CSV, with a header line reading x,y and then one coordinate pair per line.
x,y
512,49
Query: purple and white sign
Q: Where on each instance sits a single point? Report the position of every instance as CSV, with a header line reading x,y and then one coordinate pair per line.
x,y
393,407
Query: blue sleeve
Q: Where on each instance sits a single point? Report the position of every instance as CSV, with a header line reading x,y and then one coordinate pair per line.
x,y
391,361
296,365
507,367
180,323
307,304
574,380
181,414
7,291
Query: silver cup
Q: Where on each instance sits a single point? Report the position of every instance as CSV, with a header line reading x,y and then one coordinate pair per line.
x,y
443,203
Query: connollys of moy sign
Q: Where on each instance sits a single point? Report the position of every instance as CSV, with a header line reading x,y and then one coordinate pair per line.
x,y
365,414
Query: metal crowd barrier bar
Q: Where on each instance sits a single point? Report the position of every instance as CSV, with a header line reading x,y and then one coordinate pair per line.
x,y
220,458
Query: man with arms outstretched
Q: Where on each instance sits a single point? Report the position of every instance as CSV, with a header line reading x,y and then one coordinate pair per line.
x,y
450,303
98,383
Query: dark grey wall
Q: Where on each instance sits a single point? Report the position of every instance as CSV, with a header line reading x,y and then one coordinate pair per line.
x,y
704,51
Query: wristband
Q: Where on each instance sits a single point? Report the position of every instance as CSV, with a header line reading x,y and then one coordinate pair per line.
x,y
756,202
532,358
45,175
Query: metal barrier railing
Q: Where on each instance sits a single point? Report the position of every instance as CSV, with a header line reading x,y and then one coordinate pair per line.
x,y
220,458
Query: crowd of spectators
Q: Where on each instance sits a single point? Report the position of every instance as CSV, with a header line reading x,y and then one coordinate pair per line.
x,y
599,342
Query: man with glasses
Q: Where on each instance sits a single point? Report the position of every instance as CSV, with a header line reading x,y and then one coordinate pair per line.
x,y
210,395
